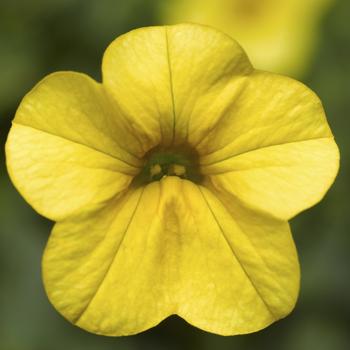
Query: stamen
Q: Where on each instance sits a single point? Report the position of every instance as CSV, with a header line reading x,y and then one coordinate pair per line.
x,y
155,170
177,169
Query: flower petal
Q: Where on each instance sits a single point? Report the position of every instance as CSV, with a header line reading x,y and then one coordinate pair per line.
x,y
171,248
274,149
60,152
174,82
209,70
136,73
246,287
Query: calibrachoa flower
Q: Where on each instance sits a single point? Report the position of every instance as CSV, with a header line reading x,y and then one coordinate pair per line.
x,y
171,183
279,35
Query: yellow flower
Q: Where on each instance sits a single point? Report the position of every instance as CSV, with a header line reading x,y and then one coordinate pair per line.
x,y
171,183
278,35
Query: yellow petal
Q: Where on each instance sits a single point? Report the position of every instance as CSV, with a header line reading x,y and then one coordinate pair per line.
x,y
173,82
209,69
136,73
280,180
171,248
273,149
61,154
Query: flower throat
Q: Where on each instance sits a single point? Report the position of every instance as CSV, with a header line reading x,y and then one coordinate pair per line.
x,y
161,162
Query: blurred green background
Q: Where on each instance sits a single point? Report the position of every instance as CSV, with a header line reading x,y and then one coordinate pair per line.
x,y
38,37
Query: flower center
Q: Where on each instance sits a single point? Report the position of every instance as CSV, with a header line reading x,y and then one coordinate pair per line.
x,y
161,162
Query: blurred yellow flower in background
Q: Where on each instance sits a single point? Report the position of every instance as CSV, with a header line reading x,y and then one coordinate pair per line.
x,y
279,35
171,183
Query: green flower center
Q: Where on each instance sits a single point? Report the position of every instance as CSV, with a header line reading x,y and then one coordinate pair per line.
x,y
161,162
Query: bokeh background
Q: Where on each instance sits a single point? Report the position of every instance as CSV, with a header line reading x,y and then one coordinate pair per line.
x,y
38,37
